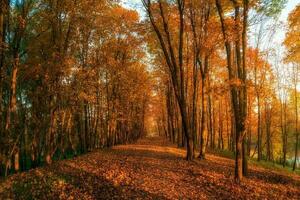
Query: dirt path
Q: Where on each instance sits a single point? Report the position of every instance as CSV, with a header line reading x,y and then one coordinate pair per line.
x,y
150,169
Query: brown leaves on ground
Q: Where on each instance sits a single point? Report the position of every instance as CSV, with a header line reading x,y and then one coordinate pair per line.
x,y
150,169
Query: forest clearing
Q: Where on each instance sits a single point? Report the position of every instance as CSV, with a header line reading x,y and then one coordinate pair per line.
x,y
149,99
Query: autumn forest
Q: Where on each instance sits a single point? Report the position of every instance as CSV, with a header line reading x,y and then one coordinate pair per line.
x,y
149,99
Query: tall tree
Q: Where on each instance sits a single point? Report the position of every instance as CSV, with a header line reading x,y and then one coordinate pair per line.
x,y
293,57
172,48
238,91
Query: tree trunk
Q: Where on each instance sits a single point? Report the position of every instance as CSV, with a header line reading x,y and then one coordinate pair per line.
x,y
220,138
259,150
211,124
203,132
295,78
245,157
296,152
268,132
239,155
11,113
188,135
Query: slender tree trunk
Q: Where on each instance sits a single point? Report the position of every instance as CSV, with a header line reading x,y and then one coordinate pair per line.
x,y
249,141
3,14
220,138
11,113
49,138
227,128
285,134
296,152
11,120
268,132
188,135
210,121
203,132
232,132
239,155
296,115
259,143
245,152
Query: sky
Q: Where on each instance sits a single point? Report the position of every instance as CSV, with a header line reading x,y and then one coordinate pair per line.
x,y
291,5
279,35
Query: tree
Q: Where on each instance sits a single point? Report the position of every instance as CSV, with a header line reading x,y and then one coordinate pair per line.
x,y
293,56
238,92
172,48
73,80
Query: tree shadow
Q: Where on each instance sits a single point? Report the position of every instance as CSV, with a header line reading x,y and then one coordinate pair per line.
x,y
99,187
272,178
62,181
263,175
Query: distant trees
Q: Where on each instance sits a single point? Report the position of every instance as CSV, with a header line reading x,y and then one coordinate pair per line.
x,y
170,35
229,89
72,80
293,57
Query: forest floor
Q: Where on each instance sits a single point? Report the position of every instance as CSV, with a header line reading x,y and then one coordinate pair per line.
x,y
149,169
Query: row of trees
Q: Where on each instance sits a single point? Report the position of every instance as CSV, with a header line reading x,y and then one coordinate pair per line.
x,y
217,92
72,79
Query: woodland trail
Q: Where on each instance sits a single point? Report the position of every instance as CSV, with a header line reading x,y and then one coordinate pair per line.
x,y
149,169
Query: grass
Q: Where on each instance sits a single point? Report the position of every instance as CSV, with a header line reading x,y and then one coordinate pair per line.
x,y
252,161
274,166
38,185
223,153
